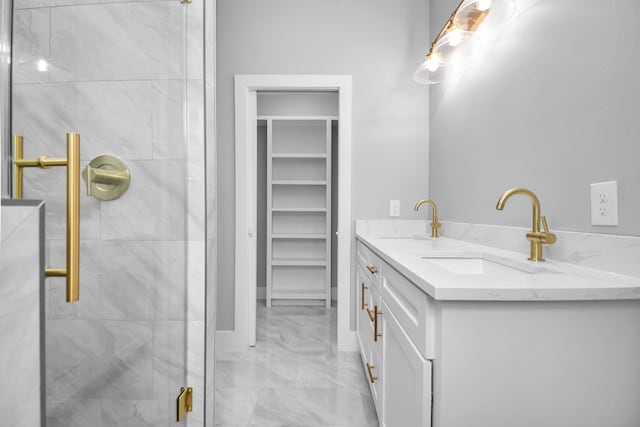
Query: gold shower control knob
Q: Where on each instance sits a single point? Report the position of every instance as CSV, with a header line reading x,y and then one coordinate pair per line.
x,y
107,177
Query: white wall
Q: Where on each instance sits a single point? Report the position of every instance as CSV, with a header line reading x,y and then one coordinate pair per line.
x,y
379,43
552,106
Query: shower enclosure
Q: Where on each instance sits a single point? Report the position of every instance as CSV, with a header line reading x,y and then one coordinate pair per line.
x,y
134,79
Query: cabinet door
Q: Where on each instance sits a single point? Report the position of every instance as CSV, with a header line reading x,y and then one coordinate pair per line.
x,y
407,378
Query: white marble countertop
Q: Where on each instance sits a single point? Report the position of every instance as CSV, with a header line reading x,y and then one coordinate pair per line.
x,y
450,269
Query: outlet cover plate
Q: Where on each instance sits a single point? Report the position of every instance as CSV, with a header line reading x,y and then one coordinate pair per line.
x,y
394,207
604,203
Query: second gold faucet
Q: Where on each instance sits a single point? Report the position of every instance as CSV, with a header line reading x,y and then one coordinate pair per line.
x,y
535,236
435,225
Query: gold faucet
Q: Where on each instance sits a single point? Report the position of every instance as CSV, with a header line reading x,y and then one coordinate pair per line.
x,y
535,236
434,221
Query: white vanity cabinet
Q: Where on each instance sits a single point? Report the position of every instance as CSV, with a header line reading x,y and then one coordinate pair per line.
x,y
457,350
399,373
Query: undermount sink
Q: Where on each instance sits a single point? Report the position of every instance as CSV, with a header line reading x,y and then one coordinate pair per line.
x,y
481,265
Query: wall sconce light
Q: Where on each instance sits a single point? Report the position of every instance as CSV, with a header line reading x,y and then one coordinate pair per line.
x,y
449,43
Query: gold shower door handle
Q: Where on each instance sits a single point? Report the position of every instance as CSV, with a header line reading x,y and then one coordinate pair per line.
x,y
72,162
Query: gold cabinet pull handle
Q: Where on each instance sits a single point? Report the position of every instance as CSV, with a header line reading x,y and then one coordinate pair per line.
x,y
72,162
372,378
376,334
364,287
372,269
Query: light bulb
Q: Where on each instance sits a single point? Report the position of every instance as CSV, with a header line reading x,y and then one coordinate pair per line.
x,y
483,4
433,62
455,37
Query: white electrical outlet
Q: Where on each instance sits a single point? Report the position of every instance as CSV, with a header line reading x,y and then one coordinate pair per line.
x,y
604,203
394,207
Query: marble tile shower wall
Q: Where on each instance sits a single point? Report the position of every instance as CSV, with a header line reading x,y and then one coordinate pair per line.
x,y
20,304
128,76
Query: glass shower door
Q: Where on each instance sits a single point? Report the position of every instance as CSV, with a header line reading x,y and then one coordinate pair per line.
x,y
126,76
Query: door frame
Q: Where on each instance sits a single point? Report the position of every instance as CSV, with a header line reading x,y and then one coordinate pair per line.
x,y
246,88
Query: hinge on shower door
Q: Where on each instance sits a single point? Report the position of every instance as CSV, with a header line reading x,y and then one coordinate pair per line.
x,y
185,403
185,1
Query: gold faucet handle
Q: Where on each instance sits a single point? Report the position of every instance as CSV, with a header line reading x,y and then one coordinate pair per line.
x,y
89,174
547,237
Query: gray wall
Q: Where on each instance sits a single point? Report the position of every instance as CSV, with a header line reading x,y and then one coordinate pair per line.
x,y
379,43
552,106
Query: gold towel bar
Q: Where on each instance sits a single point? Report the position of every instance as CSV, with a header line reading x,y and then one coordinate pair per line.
x,y
72,162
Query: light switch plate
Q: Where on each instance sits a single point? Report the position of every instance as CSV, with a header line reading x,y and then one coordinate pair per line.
x,y
604,203
394,207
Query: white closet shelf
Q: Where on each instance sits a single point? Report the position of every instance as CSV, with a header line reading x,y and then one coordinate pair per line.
x,y
298,294
299,156
318,236
299,262
305,118
299,208
298,182
320,210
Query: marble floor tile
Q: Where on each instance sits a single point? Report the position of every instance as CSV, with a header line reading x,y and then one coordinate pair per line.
x,y
294,376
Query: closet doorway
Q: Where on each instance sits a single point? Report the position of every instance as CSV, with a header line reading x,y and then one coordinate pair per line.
x,y
252,91
297,136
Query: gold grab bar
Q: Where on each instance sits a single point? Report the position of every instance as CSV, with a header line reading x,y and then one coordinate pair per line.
x,y
72,162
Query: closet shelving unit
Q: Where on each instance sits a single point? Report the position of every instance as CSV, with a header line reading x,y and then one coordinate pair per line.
x,y
298,209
